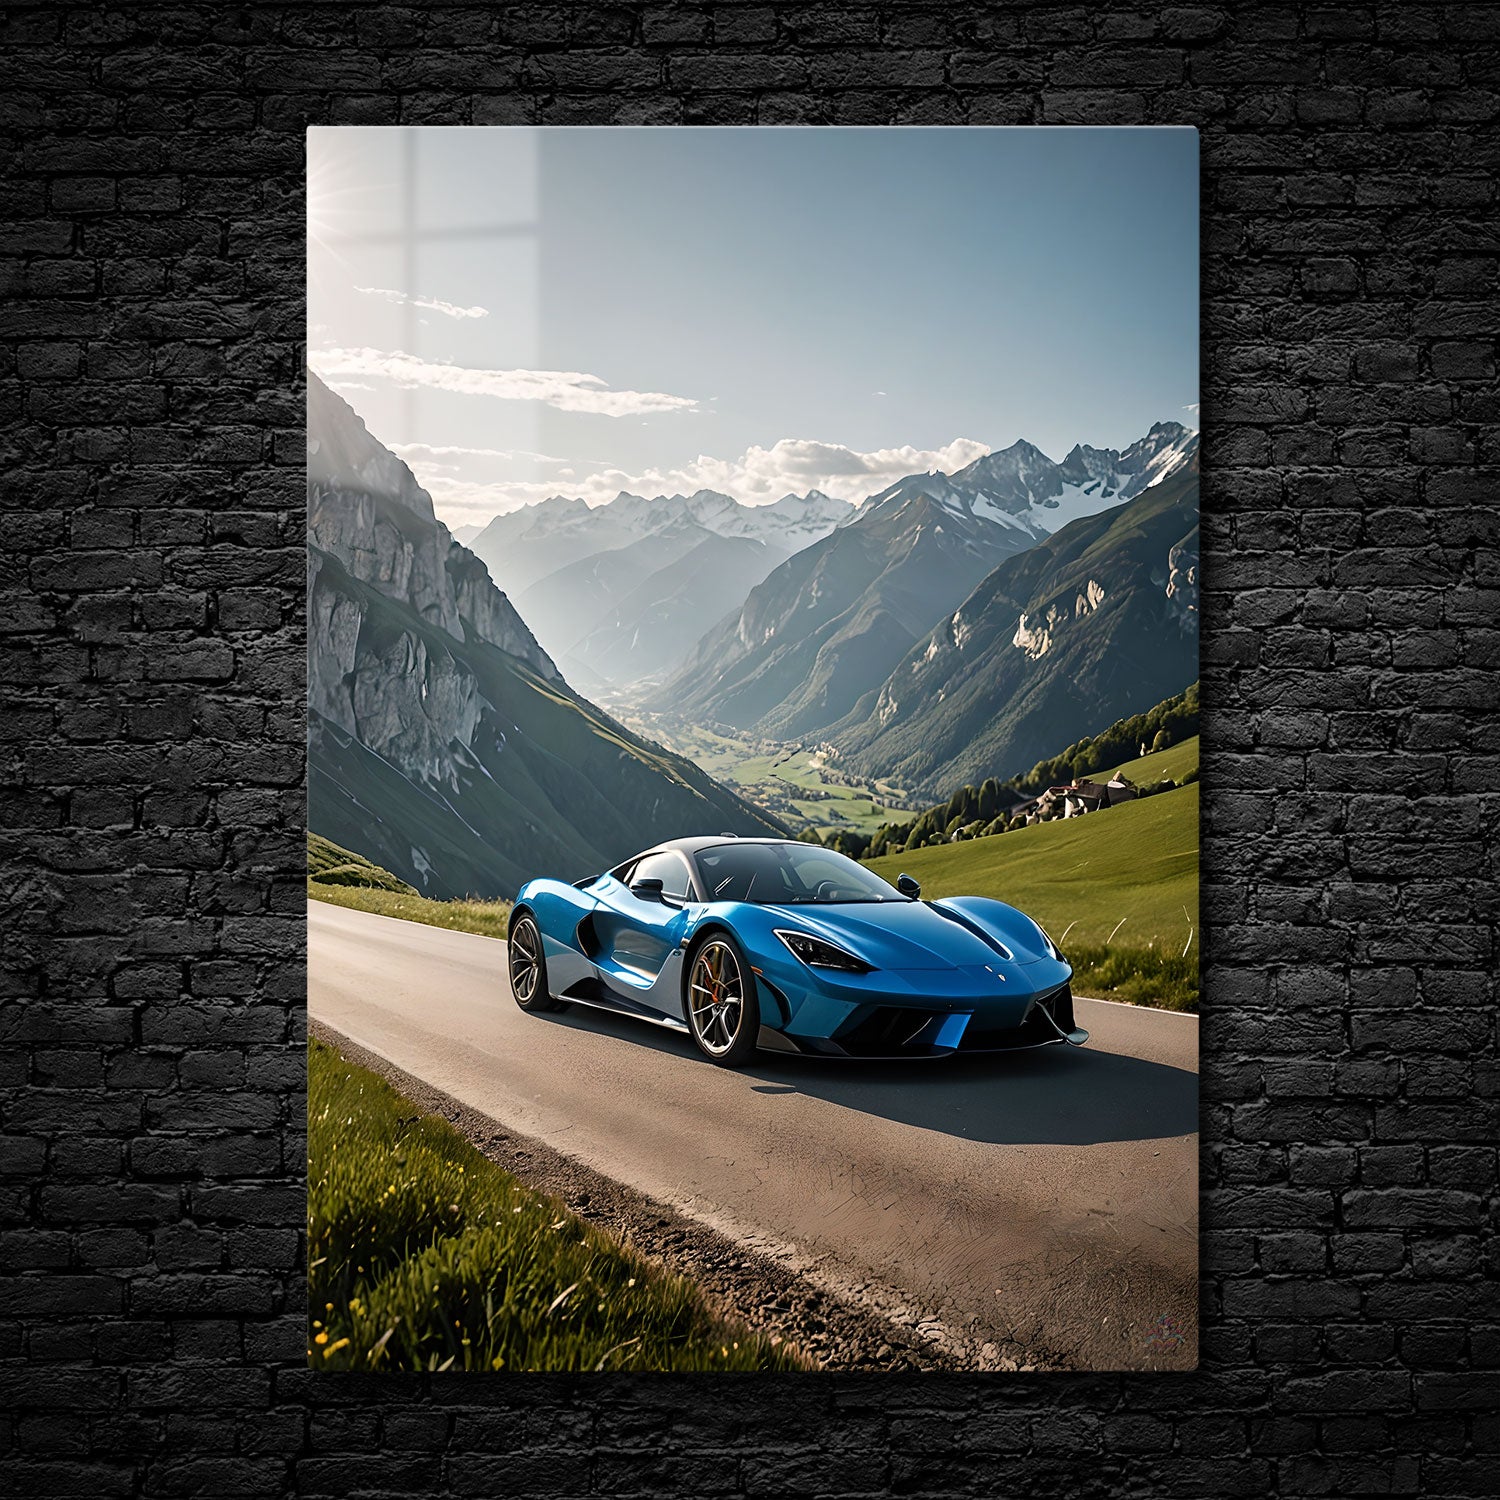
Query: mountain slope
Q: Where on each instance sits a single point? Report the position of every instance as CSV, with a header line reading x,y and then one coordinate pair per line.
x,y
443,742
568,567
653,626
570,602
828,625
1092,624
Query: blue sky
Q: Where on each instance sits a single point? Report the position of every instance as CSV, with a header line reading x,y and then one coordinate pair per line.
x,y
751,310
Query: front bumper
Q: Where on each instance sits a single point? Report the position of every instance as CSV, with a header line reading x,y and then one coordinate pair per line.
x,y
901,1025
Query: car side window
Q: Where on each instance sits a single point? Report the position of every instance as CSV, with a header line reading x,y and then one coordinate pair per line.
x,y
670,869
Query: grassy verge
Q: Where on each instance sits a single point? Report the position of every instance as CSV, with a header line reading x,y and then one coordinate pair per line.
x,y
342,878
330,864
1139,976
489,918
425,1255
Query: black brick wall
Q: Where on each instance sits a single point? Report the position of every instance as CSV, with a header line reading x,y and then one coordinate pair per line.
x,y
152,1001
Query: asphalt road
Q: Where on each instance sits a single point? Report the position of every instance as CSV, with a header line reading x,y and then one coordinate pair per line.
x,y
1045,1199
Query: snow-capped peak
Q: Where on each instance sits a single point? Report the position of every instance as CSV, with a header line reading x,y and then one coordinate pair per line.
x,y
1017,487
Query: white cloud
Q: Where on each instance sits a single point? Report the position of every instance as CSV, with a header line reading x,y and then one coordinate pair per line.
x,y
429,451
566,390
757,477
1192,406
401,299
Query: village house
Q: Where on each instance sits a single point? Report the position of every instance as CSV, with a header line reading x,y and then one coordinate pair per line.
x,y
1075,798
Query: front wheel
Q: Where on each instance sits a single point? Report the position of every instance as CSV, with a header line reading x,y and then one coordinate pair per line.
x,y
722,1009
528,966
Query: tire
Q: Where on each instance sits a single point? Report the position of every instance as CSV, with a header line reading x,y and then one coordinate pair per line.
x,y
723,1009
528,966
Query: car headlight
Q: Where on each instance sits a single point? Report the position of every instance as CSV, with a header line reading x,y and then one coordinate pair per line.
x,y
818,954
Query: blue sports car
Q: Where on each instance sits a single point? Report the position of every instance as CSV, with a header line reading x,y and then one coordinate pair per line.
x,y
768,943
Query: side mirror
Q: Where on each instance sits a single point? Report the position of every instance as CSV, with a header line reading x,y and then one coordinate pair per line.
x,y
908,886
647,890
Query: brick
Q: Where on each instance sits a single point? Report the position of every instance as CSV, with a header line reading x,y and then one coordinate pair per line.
x,y
152,1341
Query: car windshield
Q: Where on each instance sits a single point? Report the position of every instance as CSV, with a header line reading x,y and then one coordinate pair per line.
x,y
787,874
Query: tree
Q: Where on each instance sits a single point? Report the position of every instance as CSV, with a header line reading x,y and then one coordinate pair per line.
x,y
989,798
1162,740
1086,762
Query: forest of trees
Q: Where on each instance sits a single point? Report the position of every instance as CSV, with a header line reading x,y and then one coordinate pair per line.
x,y
976,811
1122,741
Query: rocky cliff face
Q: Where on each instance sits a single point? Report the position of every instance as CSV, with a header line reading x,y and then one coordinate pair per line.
x,y
366,509
443,741
1182,582
402,696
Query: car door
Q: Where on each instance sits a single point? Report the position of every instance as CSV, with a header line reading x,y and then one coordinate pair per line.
x,y
639,936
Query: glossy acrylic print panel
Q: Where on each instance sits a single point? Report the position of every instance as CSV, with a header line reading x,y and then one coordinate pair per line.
x,y
753,749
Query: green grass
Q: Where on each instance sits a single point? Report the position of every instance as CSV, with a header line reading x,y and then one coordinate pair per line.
x,y
1117,890
341,878
1139,976
329,864
488,918
1171,764
425,1255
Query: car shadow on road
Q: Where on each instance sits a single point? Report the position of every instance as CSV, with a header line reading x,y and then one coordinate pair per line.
x,y
1049,1096
1053,1096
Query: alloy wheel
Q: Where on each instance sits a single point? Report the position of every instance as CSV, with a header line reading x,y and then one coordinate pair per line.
x,y
525,961
716,997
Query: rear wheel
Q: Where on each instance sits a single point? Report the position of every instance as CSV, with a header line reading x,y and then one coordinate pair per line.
x,y
722,1009
528,966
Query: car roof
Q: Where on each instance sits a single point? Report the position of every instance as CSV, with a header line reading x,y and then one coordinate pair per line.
x,y
707,841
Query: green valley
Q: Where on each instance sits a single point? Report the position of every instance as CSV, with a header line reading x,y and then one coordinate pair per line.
x,y
788,781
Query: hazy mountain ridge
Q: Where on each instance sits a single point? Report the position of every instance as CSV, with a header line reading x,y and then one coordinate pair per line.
x,y
644,634
571,568
524,546
443,742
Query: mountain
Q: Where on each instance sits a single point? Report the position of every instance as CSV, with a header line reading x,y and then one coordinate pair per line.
x,y
571,601
524,546
443,742
827,626
570,568
1091,624
1021,486
463,535
1090,476
651,628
